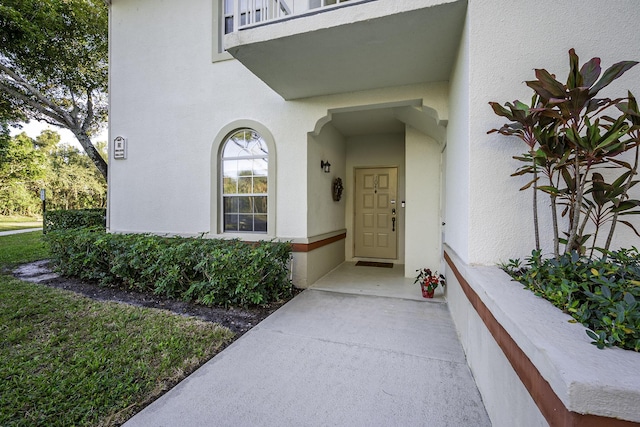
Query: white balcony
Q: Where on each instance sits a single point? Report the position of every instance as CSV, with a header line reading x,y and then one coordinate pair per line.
x,y
303,48
242,14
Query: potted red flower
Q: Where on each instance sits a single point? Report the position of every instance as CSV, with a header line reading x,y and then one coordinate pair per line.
x,y
429,281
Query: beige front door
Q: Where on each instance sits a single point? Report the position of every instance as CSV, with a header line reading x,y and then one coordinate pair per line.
x,y
375,213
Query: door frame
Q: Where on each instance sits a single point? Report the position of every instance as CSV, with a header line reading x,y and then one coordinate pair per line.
x,y
398,210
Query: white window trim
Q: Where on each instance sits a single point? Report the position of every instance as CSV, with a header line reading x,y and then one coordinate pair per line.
x,y
217,33
217,226
236,194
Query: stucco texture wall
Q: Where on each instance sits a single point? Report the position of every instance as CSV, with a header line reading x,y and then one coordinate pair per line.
x,y
170,105
457,185
324,214
423,246
172,101
507,41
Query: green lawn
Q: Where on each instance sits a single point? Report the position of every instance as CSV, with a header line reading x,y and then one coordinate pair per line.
x,y
8,223
21,248
69,360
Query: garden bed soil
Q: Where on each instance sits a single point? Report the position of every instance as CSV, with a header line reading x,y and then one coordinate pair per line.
x,y
239,320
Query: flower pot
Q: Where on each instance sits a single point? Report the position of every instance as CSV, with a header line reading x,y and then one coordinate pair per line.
x,y
426,293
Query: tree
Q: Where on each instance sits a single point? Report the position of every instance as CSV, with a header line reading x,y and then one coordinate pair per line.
x,y
67,173
524,120
22,173
54,65
72,182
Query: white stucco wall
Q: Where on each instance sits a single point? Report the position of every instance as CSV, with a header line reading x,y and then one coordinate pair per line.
x,y
310,266
422,213
324,214
505,398
457,185
507,41
170,106
171,101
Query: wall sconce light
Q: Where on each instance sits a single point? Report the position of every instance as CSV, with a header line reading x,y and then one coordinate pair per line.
x,y
326,166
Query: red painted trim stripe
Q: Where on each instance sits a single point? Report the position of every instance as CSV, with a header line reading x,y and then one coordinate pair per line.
x,y
308,247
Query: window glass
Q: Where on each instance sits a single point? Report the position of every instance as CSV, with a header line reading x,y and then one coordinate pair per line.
x,y
260,184
228,16
245,181
260,167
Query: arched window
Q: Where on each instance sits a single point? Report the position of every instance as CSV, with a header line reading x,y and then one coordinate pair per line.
x,y
245,182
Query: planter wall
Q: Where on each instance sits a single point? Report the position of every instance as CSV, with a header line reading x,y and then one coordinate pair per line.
x,y
531,365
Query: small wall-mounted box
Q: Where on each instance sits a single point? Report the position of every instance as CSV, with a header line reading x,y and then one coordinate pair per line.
x,y
119,148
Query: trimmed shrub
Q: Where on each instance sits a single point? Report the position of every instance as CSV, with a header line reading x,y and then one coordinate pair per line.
x,y
603,294
208,271
70,219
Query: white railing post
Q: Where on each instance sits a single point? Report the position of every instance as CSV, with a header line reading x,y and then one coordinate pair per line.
x,y
236,15
268,10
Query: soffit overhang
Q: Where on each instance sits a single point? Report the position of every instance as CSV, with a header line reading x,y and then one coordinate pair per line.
x,y
376,44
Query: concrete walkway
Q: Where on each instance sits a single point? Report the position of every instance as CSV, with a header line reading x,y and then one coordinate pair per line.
x,y
332,358
24,230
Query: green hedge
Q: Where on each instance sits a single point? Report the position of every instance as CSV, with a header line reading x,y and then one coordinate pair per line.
x,y
70,219
211,272
602,294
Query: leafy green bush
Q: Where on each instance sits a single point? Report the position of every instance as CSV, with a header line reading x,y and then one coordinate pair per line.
x,y
209,271
602,294
69,219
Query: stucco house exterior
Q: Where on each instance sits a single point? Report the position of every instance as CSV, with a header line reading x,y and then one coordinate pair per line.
x,y
372,87
225,113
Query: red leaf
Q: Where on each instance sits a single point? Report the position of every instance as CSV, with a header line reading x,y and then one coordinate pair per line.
x,y
628,224
575,78
501,111
612,73
540,89
591,71
550,83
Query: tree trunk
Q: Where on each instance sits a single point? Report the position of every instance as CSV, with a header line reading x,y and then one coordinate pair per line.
x,y
91,151
556,237
535,206
580,180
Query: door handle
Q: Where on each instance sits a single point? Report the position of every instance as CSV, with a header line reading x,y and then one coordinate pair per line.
x,y
393,224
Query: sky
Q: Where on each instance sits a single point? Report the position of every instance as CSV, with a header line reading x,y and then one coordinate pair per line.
x,y
34,128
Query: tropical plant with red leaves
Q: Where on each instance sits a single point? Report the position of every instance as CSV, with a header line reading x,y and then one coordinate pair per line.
x,y
570,138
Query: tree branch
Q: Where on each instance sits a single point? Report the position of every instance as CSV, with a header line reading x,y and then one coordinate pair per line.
x,y
35,92
39,107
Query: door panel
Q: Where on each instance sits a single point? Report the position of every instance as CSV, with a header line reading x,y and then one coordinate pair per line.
x,y
375,229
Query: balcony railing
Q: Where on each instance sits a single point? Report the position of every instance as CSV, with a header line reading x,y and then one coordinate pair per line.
x,y
239,14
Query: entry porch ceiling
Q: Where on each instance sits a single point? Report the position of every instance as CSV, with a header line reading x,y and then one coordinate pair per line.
x,y
389,119
369,45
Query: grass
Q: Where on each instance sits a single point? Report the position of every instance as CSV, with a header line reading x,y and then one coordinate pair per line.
x,y
8,223
21,248
70,360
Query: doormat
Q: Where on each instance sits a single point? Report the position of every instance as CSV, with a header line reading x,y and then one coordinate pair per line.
x,y
374,264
